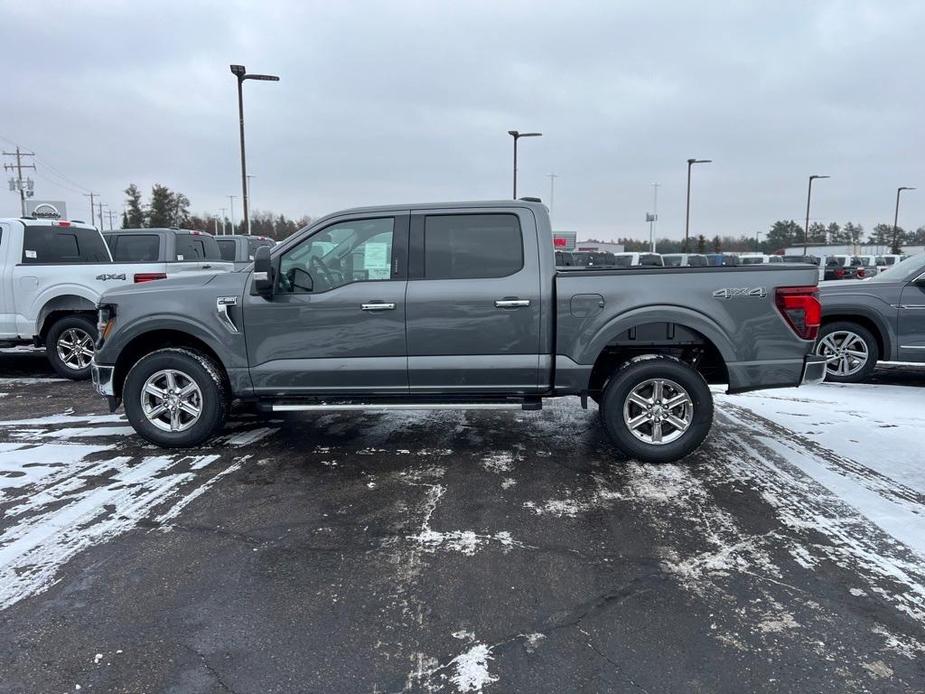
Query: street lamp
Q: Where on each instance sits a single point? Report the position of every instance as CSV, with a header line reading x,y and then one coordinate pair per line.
x,y
231,205
809,196
516,134
687,214
895,247
240,72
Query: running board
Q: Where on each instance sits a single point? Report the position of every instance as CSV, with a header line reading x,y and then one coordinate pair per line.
x,y
321,404
299,407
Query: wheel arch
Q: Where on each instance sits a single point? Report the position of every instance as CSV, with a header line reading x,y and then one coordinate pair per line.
x,y
60,306
870,321
146,342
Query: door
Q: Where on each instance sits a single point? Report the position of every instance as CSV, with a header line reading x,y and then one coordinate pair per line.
x,y
7,308
912,321
473,302
336,321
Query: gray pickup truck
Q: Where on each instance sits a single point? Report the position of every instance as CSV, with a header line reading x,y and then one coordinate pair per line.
x,y
453,306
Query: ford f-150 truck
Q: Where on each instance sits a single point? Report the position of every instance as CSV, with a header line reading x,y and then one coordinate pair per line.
x,y
176,251
52,273
453,306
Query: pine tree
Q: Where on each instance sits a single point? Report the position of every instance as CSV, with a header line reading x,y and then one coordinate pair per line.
x,y
701,244
134,216
161,212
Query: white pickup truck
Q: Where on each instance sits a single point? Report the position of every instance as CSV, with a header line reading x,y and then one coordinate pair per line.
x,y
52,273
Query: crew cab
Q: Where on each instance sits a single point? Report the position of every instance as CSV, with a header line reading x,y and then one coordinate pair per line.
x,y
239,249
167,252
453,305
52,273
882,319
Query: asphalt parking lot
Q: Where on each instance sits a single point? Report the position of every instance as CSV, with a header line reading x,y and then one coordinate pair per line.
x,y
440,552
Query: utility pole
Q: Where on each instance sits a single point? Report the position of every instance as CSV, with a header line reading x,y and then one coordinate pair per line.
x,y
110,214
224,220
17,182
552,190
99,206
92,196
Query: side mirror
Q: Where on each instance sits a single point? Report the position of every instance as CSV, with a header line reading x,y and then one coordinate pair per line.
x,y
263,272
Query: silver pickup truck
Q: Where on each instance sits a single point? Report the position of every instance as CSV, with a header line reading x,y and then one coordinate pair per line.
x,y
453,305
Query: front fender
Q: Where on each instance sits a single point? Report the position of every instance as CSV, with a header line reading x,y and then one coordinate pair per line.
x,y
884,327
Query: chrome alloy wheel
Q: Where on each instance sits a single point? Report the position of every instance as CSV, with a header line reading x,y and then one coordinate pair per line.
x,y
171,400
658,411
845,352
75,348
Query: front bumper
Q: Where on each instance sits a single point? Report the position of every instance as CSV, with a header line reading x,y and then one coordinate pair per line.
x,y
813,369
102,379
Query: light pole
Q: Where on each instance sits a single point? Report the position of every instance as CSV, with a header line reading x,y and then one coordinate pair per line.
x,y
653,218
240,72
231,205
248,217
687,214
516,134
809,197
224,220
895,246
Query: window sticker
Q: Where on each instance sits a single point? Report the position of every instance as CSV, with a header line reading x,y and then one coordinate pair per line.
x,y
32,255
376,261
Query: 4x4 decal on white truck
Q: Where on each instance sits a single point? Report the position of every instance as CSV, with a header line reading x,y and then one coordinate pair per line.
x,y
105,277
736,292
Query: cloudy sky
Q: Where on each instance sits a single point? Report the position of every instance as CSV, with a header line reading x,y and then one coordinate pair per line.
x,y
383,102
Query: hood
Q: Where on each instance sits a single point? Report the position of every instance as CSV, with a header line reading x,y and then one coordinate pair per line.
x,y
231,282
842,287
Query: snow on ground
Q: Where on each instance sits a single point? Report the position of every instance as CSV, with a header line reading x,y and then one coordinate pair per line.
x,y
862,442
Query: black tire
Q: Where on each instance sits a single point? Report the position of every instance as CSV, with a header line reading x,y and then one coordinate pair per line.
x,y
844,328
197,368
60,335
644,369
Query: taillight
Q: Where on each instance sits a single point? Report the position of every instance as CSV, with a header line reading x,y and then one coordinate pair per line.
x,y
860,273
839,273
149,276
801,309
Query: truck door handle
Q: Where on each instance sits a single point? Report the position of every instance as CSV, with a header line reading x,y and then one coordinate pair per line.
x,y
512,303
378,306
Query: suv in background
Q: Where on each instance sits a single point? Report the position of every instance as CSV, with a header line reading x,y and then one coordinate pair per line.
x,y
882,319
239,249
603,259
172,251
638,259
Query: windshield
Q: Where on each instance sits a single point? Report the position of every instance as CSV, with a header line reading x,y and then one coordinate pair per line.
x,y
902,269
672,260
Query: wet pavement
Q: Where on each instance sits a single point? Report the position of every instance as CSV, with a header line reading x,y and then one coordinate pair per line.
x,y
436,552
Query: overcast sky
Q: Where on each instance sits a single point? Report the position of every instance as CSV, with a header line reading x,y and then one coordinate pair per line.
x,y
411,101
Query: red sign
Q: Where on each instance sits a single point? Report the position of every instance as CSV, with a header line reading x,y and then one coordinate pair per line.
x,y
559,241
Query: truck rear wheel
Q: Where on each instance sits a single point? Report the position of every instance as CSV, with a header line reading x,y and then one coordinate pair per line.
x,y
657,409
70,344
175,397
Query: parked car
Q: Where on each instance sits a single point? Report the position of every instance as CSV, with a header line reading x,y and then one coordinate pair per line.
x,y
684,260
889,260
173,251
722,259
596,259
837,267
239,249
638,259
758,259
868,265
52,273
564,259
452,306
882,319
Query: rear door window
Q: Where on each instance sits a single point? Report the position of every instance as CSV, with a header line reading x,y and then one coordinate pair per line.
x,y
469,246
226,248
193,248
132,248
43,245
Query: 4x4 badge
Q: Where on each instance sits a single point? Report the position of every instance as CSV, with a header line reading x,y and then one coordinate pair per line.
x,y
736,292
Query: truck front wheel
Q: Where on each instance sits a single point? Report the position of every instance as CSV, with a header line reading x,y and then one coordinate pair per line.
x,y
175,397
657,409
69,345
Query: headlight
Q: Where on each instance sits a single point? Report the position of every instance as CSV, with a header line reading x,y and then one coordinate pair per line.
x,y
105,321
